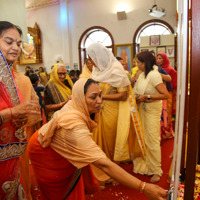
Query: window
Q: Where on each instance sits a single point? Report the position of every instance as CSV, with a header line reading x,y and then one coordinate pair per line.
x,y
91,35
151,27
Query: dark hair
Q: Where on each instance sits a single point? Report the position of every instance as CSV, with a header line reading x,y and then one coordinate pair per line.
x,y
152,51
72,73
28,67
88,83
5,25
41,68
148,59
119,58
34,78
78,72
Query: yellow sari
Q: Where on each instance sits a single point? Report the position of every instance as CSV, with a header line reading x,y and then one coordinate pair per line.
x,y
44,78
119,133
58,90
86,73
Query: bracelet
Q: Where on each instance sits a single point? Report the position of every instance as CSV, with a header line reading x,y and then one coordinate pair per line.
x,y
140,185
11,114
1,120
143,186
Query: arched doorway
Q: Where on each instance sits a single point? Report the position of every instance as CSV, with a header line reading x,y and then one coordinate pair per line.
x,y
91,35
148,28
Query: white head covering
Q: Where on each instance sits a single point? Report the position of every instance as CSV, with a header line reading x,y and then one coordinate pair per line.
x,y
108,69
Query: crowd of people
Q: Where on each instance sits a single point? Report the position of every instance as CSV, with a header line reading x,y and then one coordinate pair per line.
x,y
95,121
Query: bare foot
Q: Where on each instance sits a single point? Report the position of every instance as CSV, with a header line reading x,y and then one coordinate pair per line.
x,y
155,178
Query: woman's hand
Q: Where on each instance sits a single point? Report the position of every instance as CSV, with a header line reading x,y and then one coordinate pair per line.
x,y
63,103
155,192
141,98
21,111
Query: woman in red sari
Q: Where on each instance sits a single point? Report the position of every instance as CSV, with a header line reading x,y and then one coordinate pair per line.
x,y
14,113
64,146
167,130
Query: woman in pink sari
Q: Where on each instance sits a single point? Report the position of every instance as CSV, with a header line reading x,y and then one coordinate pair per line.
x,y
14,113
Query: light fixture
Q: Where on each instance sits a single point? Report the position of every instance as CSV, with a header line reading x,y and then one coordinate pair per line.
x,y
121,15
157,12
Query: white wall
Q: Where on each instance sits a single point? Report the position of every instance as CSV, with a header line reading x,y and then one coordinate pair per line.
x,y
14,11
84,14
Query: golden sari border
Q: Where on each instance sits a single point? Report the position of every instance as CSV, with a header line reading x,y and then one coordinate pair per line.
x,y
12,150
136,120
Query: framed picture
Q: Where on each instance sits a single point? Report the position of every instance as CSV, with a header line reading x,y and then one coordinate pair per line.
x,y
170,51
161,49
154,40
32,51
125,51
28,55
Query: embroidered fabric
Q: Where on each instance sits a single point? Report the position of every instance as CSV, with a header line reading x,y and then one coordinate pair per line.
x,y
12,150
20,134
7,78
12,187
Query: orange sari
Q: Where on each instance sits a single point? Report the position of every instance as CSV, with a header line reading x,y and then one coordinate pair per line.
x,y
54,173
63,145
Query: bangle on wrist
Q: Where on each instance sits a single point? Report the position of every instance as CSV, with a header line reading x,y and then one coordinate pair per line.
x,y
142,187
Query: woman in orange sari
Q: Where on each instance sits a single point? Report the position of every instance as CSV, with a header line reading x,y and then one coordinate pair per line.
x,y
64,146
15,112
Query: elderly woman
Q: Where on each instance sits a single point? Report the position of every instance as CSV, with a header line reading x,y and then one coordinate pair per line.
x,y
19,110
64,146
58,90
150,91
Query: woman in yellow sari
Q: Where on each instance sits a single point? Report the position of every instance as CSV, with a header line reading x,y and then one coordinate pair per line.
x,y
150,92
43,76
58,90
87,70
118,112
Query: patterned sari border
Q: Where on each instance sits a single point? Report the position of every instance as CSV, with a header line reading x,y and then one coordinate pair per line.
x,y
136,120
12,150
7,78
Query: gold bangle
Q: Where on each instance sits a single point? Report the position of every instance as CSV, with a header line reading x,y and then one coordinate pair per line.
x,y
140,186
143,186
